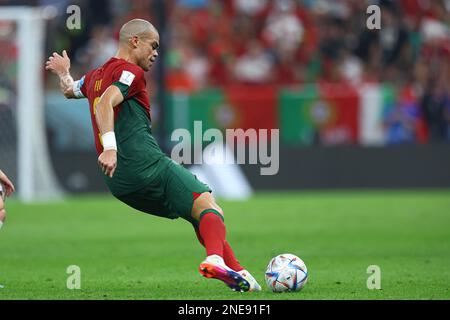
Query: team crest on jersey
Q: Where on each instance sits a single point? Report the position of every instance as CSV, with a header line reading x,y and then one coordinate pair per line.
x,y
127,77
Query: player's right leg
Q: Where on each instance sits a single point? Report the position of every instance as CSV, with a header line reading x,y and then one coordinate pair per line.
x,y
2,211
192,200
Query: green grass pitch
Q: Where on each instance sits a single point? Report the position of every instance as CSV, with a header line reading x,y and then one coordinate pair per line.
x,y
125,254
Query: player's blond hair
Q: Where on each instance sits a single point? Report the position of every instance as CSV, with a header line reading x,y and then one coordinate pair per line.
x,y
136,27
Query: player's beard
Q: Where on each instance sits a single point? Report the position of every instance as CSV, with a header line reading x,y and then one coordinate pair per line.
x,y
147,65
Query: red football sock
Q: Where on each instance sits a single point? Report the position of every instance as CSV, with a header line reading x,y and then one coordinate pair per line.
x,y
229,258
228,254
212,231
199,237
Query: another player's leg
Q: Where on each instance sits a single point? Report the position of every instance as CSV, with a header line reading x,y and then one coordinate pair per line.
x,y
211,232
2,211
6,189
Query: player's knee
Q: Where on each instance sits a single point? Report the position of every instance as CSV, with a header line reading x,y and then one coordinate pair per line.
x,y
220,211
213,204
196,214
205,202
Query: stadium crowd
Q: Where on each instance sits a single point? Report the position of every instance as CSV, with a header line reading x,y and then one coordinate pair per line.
x,y
282,42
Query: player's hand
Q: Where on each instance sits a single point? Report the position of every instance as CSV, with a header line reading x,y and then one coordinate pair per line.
x,y
57,64
7,183
108,162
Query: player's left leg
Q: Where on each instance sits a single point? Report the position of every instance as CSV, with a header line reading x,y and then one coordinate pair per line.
x,y
220,262
2,211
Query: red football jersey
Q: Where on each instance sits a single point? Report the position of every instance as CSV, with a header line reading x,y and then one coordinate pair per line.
x,y
122,73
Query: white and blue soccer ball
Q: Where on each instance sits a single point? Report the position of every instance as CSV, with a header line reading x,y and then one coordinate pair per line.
x,y
286,272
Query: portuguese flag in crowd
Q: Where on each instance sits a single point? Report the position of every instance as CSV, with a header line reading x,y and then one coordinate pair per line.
x,y
245,107
324,114
315,114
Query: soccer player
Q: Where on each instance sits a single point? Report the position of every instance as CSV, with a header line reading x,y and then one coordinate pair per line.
x,y
6,189
136,171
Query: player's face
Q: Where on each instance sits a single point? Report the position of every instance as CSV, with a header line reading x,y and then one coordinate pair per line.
x,y
148,51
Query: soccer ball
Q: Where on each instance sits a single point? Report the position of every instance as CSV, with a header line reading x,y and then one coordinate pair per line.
x,y
286,272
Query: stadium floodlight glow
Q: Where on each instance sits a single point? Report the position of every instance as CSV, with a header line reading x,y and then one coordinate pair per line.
x,y
36,179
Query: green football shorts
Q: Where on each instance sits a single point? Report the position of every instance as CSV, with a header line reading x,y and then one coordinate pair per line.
x,y
170,194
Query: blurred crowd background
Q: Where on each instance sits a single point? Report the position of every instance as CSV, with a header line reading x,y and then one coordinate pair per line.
x,y
287,44
356,107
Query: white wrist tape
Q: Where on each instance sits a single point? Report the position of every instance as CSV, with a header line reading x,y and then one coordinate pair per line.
x,y
109,141
76,88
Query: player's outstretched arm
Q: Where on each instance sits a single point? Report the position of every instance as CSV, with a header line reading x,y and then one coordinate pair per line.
x,y
60,65
104,116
